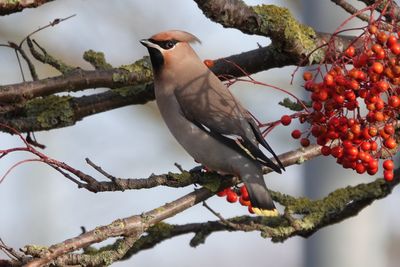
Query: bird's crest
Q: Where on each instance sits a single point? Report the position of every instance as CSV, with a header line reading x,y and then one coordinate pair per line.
x,y
177,35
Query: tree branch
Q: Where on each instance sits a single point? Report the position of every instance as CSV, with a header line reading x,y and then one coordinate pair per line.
x,y
9,7
351,9
393,11
21,108
77,80
285,31
134,225
341,204
46,58
211,180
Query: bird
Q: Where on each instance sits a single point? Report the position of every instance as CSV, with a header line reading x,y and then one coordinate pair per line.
x,y
205,117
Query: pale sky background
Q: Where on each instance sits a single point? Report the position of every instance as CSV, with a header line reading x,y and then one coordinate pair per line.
x,y
39,206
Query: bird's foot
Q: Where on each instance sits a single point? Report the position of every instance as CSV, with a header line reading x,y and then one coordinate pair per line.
x,y
266,213
197,169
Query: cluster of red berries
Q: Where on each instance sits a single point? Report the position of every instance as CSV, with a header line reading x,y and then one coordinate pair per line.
x,y
237,193
357,102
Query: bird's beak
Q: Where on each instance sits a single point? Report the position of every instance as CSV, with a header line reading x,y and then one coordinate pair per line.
x,y
146,43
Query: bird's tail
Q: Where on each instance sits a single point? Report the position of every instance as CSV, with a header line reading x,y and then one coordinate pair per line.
x,y
259,195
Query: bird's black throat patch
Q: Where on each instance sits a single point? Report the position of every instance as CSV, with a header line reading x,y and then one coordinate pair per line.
x,y
157,59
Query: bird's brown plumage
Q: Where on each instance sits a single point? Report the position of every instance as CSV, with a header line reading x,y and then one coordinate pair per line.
x,y
180,36
205,117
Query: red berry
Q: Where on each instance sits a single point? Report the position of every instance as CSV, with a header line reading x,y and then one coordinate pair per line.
x,y
337,152
351,153
382,37
374,145
326,150
379,105
388,175
381,54
305,142
360,168
390,143
376,48
367,158
317,106
231,196
394,101
222,193
286,120
372,29
379,116
363,93
391,40
321,140
362,155
307,76
372,171
250,209
383,134
244,202
244,193
315,131
296,134
389,129
323,95
395,48
328,80
353,85
350,51
382,86
347,144
373,164
377,67
388,165
339,99
366,146
356,129
361,60
372,131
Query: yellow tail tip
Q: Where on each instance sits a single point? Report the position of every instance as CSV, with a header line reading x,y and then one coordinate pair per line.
x,y
267,213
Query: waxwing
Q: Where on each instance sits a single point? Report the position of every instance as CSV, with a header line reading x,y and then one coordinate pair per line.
x,y
206,119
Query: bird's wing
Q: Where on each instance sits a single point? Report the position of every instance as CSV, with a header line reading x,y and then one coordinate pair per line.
x,y
206,101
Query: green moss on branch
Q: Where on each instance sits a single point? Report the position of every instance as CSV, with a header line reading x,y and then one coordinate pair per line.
x,y
97,60
51,112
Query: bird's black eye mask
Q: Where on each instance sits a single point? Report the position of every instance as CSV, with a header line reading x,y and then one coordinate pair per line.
x,y
168,44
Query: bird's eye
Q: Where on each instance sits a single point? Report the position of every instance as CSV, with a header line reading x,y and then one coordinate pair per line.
x,y
169,44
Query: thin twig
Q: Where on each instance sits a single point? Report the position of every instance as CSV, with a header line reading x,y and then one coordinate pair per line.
x,y
100,170
219,216
51,24
351,9
46,58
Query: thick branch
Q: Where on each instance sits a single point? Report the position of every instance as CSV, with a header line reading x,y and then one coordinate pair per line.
x,y
8,7
75,80
271,21
341,204
351,9
55,112
317,215
61,111
136,225
393,11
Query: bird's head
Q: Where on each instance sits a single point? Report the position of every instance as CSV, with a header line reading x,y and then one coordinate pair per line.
x,y
169,48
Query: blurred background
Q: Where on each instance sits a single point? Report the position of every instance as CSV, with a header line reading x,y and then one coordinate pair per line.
x,y
39,206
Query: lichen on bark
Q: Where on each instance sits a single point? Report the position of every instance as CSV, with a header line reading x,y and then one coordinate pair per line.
x,y
96,59
141,67
285,30
51,111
